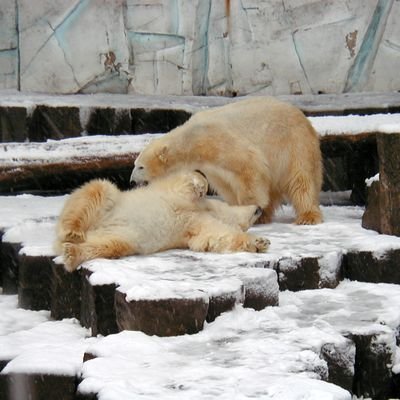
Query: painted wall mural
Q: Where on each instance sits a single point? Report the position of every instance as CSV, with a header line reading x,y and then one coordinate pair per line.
x,y
200,47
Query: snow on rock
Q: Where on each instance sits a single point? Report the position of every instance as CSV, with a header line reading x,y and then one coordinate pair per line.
x,y
374,178
243,354
13,319
52,347
15,209
175,274
246,354
34,343
36,237
353,124
70,150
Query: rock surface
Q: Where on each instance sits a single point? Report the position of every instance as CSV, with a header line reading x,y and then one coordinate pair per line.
x,y
389,179
201,47
383,211
351,349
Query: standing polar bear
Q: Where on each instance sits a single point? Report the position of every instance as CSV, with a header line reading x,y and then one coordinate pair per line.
x,y
100,221
255,151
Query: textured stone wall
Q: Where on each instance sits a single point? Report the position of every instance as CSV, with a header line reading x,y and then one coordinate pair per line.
x,y
211,47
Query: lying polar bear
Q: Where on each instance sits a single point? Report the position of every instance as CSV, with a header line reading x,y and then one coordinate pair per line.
x,y
100,221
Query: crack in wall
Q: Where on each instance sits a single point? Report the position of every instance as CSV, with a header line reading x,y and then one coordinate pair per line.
x,y
360,71
64,55
391,45
300,60
18,46
54,30
200,52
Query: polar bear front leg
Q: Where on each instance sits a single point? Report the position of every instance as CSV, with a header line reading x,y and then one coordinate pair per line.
x,y
244,216
212,235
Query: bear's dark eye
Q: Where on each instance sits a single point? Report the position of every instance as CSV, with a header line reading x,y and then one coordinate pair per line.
x,y
140,167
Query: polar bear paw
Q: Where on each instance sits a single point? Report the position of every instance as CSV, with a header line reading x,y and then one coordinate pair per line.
x,y
199,185
71,256
261,244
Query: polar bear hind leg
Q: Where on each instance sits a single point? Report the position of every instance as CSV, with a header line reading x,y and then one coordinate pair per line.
x,y
84,208
99,246
304,197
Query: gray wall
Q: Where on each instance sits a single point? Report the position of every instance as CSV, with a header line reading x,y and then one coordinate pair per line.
x,y
213,47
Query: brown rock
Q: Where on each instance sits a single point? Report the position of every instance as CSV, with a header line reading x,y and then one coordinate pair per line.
x,y
162,317
9,266
13,124
97,307
48,122
371,218
298,274
389,178
365,267
37,386
372,371
65,293
34,284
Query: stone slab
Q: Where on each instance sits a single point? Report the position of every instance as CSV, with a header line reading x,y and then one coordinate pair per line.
x,y
361,321
369,267
389,180
34,282
97,307
37,386
173,293
9,266
66,289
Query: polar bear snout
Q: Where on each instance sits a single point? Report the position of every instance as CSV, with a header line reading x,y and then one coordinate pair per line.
x,y
137,184
138,176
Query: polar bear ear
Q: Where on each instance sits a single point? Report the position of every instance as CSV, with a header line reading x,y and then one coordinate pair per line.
x,y
163,154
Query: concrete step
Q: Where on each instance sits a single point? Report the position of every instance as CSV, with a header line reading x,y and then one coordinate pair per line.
x,y
38,117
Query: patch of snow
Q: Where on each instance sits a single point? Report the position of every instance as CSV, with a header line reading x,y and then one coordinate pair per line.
x,y
330,267
355,124
84,116
15,209
246,354
69,150
370,181
36,237
389,128
14,319
52,347
243,354
181,274
34,343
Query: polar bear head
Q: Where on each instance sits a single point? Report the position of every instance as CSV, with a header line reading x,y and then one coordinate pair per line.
x,y
159,157
152,162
